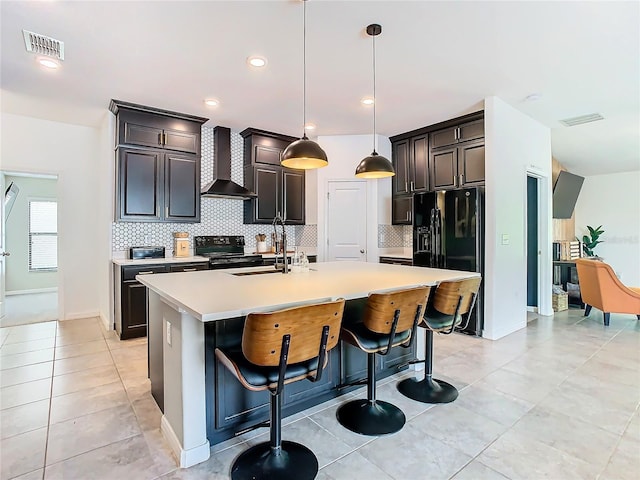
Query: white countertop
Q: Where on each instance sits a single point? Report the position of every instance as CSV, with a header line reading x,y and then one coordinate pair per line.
x,y
158,261
218,294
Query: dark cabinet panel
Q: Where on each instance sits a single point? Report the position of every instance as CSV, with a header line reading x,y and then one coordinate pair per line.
x,y
420,162
396,260
140,177
153,183
471,164
293,196
402,210
188,267
278,189
400,156
459,133
444,168
182,192
133,301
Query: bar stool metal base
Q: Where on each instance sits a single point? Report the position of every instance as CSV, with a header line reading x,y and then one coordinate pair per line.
x,y
428,390
371,417
295,462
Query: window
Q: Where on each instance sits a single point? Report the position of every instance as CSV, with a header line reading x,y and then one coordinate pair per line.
x,y
43,235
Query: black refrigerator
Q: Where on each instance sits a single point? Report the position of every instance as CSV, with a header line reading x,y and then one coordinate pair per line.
x,y
448,232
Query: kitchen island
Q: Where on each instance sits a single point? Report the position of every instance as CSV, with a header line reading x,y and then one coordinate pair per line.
x,y
191,313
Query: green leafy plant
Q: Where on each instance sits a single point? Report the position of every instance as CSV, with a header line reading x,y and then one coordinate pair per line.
x,y
590,241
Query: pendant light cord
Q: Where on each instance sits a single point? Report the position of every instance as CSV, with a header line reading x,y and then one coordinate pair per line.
x,y
374,93
304,68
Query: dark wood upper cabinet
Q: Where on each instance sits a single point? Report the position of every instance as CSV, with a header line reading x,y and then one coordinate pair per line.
x,y
458,133
471,163
400,160
457,167
158,164
279,190
402,210
444,168
419,164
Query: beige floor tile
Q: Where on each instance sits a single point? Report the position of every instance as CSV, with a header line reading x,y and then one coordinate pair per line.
x,y
26,358
624,463
83,362
90,400
78,335
217,467
22,453
29,336
28,373
403,455
129,458
83,434
79,349
147,412
568,434
327,419
459,428
23,347
633,429
35,475
24,418
519,457
92,377
353,466
478,471
525,388
24,393
497,406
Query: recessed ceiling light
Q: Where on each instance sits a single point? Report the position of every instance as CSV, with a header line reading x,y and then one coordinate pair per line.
x,y
256,61
309,126
48,63
212,102
367,101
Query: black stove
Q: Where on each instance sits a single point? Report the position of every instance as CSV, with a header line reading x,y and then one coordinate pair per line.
x,y
225,251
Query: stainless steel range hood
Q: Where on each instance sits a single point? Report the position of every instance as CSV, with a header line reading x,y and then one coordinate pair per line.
x,y
222,186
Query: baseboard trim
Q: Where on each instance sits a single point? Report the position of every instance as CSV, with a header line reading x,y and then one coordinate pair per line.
x,y
78,316
34,290
532,309
187,458
105,321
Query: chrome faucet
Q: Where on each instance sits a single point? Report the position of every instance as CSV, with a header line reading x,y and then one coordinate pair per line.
x,y
283,244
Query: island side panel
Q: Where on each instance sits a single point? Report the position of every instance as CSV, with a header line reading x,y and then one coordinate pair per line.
x,y
155,343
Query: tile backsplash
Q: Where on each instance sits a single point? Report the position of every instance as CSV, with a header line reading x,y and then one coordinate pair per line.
x,y
221,216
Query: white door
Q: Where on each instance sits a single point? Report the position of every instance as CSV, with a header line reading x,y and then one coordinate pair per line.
x,y
347,221
2,252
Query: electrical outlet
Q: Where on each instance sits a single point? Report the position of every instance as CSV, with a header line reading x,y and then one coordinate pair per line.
x,y
169,333
505,239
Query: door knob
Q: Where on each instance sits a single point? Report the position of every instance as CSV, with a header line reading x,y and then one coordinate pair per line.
x,y
361,251
5,254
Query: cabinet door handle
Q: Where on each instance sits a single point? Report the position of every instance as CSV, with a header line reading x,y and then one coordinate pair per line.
x,y
166,212
406,187
455,181
160,138
188,269
146,273
411,184
460,180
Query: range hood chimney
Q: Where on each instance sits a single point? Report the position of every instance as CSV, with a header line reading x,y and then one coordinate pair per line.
x,y
222,186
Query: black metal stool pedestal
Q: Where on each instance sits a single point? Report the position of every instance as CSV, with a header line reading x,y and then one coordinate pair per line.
x,y
369,416
428,390
389,320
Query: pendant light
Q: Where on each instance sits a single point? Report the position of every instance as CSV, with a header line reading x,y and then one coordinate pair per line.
x,y
304,154
375,165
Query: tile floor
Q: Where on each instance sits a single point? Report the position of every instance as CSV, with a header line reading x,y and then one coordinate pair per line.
x,y
29,308
557,400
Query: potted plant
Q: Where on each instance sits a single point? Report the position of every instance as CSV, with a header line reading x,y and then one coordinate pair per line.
x,y
590,241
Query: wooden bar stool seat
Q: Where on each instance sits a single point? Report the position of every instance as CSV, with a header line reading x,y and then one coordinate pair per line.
x,y
388,320
279,348
451,304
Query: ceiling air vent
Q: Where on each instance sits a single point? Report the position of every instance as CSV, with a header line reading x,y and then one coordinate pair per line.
x,y
572,122
43,45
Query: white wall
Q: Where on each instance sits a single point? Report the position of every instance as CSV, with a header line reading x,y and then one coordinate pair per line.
x,y
18,277
613,201
344,153
515,144
71,152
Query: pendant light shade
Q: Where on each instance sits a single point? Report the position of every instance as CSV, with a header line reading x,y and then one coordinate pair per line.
x,y
374,166
304,154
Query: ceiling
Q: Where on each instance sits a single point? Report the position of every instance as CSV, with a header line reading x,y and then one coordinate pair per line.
x,y
435,61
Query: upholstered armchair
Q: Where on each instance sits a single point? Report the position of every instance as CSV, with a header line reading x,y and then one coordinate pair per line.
x,y
601,288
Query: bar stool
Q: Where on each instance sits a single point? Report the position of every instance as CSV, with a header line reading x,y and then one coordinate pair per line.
x,y
451,301
389,319
279,348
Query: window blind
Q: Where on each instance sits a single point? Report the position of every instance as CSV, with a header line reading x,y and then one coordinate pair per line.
x,y
43,235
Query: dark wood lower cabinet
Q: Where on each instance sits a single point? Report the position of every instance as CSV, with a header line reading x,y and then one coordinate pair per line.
x,y
231,408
